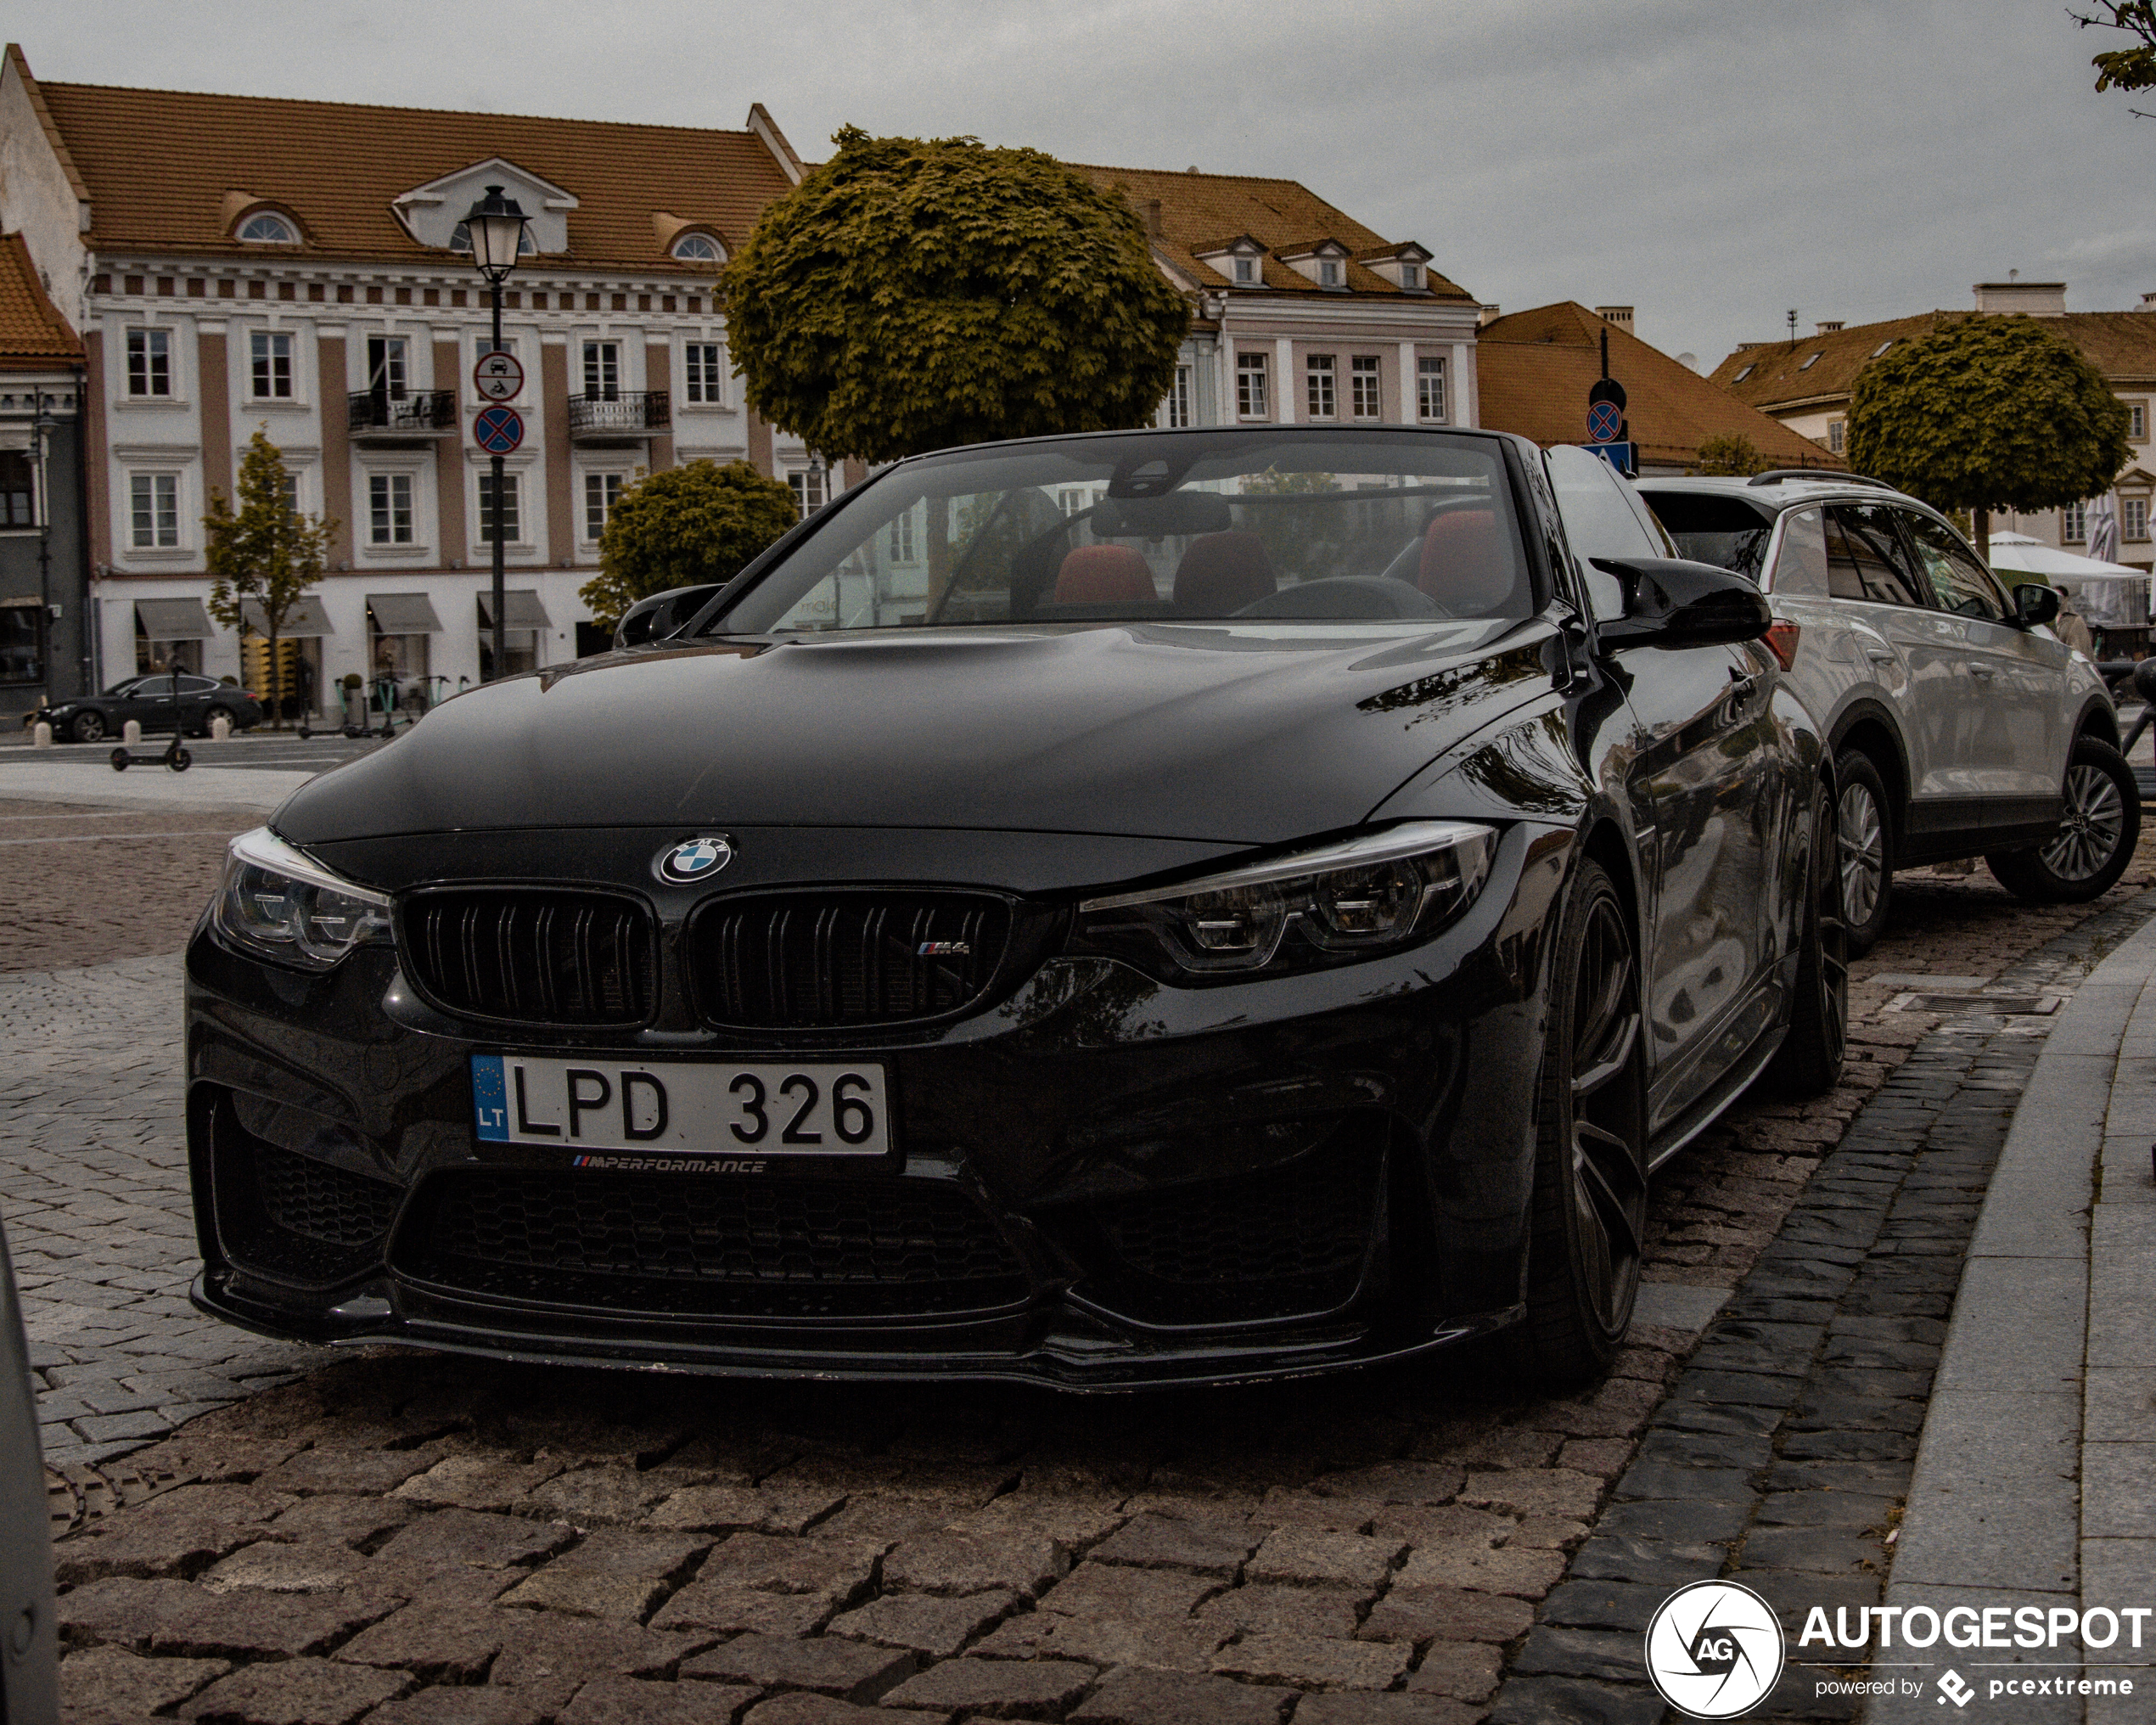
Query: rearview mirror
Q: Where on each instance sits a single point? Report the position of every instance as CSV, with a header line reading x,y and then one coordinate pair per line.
x,y
2035,604
655,618
1684,604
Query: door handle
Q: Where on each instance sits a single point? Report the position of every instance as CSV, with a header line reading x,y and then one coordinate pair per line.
x,y
1879,655
1983,672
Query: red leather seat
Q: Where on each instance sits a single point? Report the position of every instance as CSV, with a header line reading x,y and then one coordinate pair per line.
x,y
1222,573
1465,565
1099,575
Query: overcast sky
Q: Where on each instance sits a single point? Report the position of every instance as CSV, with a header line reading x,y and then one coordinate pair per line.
x,y
1713,164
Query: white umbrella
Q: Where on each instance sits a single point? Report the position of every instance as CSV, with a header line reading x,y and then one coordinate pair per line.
x,y
2027,556
2103,528
2108,594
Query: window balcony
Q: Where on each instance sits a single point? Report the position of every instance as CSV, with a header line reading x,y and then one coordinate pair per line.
x,y
414,413
629,413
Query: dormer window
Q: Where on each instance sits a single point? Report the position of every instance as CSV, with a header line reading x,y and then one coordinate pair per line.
x,y
1810,360
1246,272
1745,373
698,248
1330,273
267,227
1410,277
461,241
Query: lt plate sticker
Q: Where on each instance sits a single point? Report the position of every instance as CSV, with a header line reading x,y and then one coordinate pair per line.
x,y
678,1107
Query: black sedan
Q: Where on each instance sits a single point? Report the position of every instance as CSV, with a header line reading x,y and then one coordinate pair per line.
x,y
1102,911
156,700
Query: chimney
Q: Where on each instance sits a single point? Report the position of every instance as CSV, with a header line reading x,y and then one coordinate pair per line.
x,y
1152,216
2148,303
1490,313
1621,316
2035,299
1828,326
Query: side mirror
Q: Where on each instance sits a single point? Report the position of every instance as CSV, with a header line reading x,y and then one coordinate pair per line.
x,y
1684,604
655,618
2035,604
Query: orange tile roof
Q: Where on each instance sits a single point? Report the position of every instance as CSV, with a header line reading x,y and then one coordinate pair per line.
x,y
1203,210
336,166
1533,370
33,335
1773,374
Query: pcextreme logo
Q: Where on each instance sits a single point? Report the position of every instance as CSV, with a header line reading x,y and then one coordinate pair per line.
x,y
1715,1650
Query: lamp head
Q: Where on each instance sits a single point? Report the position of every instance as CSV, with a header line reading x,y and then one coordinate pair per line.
x,y
496,224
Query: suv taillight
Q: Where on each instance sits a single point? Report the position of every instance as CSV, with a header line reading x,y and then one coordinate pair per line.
x,y
1781,642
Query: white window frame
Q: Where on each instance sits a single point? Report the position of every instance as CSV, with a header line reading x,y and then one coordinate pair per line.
x,y
1367,390
901,545
2073,524
2137,422
680,253
520,515
263,352
704,379
382,515
2133,518
155,481
156,344
1253,391
604,487
1430,401
1320,385
1836,435
602,378
811,490
1331,272
1177,414
396,363
287,234
1410,277
1246,273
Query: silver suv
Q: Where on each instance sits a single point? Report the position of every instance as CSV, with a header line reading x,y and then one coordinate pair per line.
x,y
1961,726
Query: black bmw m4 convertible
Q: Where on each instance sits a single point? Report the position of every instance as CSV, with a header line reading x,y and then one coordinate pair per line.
x,y
1102,911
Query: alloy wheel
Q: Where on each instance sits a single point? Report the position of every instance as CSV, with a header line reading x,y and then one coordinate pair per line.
x,y
2088,837
1608,1174
1861,840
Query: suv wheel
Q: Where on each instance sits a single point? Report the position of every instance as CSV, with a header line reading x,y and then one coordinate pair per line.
x,y
2094,841
1864,839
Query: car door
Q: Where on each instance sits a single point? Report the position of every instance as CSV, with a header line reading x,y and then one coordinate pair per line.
x,y
1921,657
152,701
2018,732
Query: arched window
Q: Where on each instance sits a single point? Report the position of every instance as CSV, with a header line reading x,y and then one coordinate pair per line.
x,y
266,227
461,241
699,247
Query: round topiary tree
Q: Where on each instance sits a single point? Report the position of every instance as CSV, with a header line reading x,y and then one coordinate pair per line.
x,y
1985,411
908,295
699,522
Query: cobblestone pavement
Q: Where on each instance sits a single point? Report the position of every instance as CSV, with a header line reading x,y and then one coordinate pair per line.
x,y
440,1539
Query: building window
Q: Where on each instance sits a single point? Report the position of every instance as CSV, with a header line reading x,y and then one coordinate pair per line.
x,y
704,376
602,371
18,490
807,485
2137,422
266,228
698,248
1251,401
389,504
1883,347
385,366
1246,272
2073,524
1410,277
1745,373
460,239
1367,394
1329,272
1317,373
1810,360
601,491
1429,388
2135,513
1179,399
272,365
150,363
1836,435
154,505
902,543
512,528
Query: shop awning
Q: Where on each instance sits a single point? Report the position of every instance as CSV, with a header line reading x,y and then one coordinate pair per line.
x,y
519,610
304,619
403,614
173,620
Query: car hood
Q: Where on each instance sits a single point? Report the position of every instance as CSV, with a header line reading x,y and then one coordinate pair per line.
x,y
1230,733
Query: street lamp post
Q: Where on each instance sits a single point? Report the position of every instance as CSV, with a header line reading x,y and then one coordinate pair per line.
x,y
42,427
497,225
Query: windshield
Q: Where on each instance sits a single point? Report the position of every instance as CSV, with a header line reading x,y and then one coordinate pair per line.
x,y
1326,527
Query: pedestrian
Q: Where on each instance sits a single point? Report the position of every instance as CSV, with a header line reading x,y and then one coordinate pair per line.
x,y
2071,627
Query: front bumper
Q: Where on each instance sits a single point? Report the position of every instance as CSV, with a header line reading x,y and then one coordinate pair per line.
x,y
1101,1181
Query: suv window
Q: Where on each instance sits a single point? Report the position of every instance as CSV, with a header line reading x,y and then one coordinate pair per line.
x,y
1958,582
1725,531
1801,566
1865,559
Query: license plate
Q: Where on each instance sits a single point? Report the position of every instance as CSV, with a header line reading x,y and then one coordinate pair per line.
x,y
675,1108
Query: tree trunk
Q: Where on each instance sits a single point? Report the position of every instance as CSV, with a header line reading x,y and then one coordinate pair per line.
x,y
276,681
1980,532
939,527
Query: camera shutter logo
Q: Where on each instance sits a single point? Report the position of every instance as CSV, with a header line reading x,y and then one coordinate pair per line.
x,y
1715,1650
692,860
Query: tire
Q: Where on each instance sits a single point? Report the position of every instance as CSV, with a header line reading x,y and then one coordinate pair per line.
x,y
1589,1209
179,761
1809,1062
120,758
2095,840
1864,841
214,714
88,727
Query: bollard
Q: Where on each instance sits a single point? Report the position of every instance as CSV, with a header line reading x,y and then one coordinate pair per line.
x,y
131,733
41,736
219,728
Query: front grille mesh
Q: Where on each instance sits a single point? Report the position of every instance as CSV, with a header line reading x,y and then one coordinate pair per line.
x,y
534,958
702,1244
303,1196
809,961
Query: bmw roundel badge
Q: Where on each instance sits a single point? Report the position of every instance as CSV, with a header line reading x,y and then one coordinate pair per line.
x,y
692,860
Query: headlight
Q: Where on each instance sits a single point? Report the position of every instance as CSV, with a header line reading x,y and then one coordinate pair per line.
x,y
281,904
1368,895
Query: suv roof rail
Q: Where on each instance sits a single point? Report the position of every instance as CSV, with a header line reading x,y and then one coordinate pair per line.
x,y
1820,475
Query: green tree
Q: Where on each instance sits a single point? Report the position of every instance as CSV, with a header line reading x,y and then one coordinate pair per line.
x,y
2124,68
1985,412
265,551
1730,452
696,523
909,295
